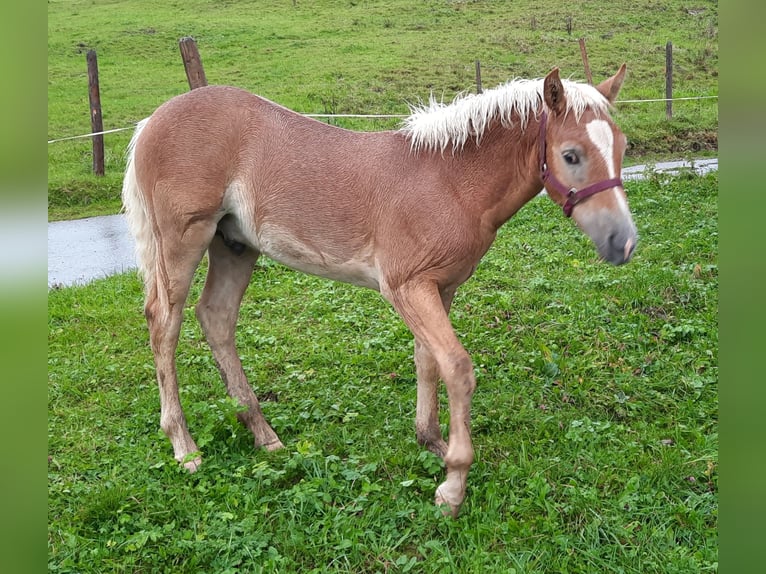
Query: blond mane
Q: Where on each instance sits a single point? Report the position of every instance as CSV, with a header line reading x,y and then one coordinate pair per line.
x,y
436,125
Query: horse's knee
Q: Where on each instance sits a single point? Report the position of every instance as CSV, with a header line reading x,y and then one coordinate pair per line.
x,y
458,374
459,457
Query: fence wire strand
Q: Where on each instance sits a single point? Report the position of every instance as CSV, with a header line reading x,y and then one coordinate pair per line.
x,y
373,116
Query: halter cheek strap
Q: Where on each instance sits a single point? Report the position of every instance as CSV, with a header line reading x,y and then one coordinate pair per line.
x,y
572,195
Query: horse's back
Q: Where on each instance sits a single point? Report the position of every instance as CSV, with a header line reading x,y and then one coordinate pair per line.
x,y
300,191
200,131
226,134
321,199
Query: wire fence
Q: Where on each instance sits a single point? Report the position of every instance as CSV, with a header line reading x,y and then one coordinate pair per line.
x,y
370,116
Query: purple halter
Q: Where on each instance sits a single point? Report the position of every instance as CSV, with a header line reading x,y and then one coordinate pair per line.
x,y
572,195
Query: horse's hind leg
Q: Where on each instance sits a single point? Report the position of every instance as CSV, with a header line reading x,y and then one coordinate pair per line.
x,y
168,283
229,272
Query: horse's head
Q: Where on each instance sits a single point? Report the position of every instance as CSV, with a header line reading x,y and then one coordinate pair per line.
x,y
580,161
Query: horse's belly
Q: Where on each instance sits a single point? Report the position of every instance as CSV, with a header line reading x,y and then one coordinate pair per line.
x,y
328,250
354,264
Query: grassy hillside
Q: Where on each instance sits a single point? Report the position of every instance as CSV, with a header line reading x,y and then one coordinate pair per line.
x,y
352,56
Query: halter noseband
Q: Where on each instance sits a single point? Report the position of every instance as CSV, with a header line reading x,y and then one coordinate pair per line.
x,y
573,196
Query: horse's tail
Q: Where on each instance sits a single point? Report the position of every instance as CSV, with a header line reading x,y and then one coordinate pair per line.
x,y
138,217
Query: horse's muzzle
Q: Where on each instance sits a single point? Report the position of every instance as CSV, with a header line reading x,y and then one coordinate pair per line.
x,y
619,247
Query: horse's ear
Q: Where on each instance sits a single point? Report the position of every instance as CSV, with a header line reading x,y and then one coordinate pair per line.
x,y
611,87
553,92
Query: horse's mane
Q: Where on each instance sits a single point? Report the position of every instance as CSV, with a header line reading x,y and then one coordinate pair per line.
x,y
435,125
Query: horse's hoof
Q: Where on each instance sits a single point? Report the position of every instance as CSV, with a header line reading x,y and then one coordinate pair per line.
x,y
448,508
275,445
193,464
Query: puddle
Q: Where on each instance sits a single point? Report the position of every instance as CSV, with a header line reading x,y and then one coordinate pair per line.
x,y
82,250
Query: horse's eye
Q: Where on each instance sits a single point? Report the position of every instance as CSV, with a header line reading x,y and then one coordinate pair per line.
x,y
571,157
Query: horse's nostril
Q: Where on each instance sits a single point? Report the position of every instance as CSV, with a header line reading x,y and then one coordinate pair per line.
x,y
621,247
630,245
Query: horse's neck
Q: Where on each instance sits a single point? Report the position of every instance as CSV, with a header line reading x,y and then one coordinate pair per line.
x,y
501,172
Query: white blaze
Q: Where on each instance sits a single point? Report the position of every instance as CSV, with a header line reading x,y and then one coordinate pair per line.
x,y
602,137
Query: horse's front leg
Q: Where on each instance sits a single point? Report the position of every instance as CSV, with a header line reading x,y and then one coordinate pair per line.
x,y
427,427
422,308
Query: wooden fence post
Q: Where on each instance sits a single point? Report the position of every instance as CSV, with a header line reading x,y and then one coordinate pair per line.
x,y
96,122
195,73
669,80
584,55
478,77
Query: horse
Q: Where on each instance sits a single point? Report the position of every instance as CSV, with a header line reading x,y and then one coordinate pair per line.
x,y
408,212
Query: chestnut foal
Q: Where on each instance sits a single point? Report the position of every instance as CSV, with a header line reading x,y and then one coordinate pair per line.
x,y
408,212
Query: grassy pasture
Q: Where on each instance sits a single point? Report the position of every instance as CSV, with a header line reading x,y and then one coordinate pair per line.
x,y
355,56
594,421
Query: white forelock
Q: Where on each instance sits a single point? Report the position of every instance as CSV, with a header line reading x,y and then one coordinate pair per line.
x,y
435,125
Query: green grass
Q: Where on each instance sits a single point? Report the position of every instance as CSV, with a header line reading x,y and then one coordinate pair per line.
x,y
594,422
354,56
